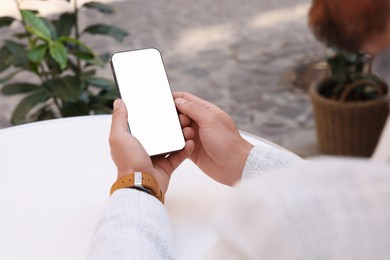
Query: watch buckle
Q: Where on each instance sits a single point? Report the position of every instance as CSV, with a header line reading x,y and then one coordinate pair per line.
x,y
138,182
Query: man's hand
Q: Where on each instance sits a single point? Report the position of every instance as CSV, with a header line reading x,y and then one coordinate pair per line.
x,y
129,155
219,150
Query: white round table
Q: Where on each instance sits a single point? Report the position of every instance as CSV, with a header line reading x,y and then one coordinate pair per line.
x,y
55,180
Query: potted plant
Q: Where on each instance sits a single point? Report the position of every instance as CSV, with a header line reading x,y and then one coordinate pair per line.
x,y
64,80
350,106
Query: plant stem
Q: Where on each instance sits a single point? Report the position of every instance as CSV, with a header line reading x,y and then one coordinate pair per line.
x,y
57,105
42,74
20,11
77,33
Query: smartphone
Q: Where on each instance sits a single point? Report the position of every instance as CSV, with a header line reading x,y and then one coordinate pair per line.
x,y
143,86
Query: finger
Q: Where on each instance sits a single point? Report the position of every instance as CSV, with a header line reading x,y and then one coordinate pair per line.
x,y
193,98
201,115
176,159
189,147
184,120
196,99
170,163
189,133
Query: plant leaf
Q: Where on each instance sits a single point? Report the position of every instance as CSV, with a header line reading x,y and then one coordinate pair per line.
x,y
21,35
105,57
34,11
67,88
18,56
6,21
75,109
5,57
43,114
107,96
59,53
53,66
84,52
103,8
84,97
73,67
29,102
101,83
88,74
51,26
83,46
14,47
64,24
87,56
36,25
97,61
10,76
111,95
37,53
109,30
102,110
18,88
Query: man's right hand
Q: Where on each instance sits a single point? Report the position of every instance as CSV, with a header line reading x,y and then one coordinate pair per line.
x,y
220,151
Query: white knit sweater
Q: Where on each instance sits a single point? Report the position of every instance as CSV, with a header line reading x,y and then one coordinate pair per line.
x,y
304,211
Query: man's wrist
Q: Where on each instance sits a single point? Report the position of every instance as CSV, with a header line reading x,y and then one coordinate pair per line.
x,y
243,153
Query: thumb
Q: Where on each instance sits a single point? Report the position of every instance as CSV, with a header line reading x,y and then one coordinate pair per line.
x,y
119,117
198,113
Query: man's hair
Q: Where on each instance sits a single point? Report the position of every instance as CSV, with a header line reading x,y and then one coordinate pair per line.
x,y
348,24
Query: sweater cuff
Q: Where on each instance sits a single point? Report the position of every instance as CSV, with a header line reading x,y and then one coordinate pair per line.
x,y
137,218
264,157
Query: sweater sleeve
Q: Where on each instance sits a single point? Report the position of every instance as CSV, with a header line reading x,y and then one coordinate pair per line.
x,y
134,225
264,157
328,208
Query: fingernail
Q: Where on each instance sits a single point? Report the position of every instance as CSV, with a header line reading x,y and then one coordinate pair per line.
x,y
117,103
180,101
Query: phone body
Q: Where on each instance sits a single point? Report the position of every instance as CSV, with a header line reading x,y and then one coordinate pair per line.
x,y
144,88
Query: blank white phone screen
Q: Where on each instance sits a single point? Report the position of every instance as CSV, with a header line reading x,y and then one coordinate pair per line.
x,y
144,88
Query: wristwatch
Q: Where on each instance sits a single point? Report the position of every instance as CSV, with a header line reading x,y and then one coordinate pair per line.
x,y
140,181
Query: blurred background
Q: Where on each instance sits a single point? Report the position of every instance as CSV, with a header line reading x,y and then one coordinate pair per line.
x,y
245,56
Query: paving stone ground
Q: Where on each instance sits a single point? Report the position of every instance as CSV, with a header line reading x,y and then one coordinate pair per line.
x,y
235,54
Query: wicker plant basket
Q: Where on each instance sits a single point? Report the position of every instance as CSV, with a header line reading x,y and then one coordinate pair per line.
x,y
348,128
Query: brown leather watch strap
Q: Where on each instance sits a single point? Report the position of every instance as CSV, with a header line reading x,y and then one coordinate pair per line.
x,y
139,180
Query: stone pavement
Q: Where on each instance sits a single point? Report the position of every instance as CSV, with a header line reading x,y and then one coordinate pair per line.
x,y
233,53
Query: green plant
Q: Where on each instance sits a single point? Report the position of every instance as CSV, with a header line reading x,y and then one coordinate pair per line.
x,y
351,78
64,67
